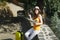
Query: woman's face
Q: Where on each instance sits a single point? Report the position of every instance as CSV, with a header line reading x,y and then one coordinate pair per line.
x,y
36,11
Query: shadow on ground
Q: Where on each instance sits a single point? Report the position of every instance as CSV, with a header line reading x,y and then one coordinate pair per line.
x,y
26,26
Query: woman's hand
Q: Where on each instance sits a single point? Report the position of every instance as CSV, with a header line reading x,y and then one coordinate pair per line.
x,y
37,23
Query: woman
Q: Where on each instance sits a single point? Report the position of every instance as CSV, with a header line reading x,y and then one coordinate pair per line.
x,y
37,23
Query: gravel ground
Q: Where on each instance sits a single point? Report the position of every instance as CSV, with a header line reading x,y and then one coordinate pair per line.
x,y
7,36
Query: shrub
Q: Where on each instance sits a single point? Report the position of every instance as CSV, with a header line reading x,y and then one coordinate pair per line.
x,y
55,24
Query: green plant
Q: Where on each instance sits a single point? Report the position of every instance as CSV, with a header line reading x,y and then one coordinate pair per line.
x,y
3,3
55,24
51,7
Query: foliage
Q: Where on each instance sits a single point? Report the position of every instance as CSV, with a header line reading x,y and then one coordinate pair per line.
x,y
2,0
55,24
30,4
51,7
3,3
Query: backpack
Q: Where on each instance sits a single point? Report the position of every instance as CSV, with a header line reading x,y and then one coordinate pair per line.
x,y
19,35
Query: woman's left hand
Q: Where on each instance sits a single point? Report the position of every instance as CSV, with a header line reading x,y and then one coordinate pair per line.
x,y
36,23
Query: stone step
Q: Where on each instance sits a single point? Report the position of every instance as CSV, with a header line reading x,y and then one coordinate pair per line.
x,y
46,33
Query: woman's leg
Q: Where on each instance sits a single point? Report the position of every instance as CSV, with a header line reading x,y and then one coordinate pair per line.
x,y
34,34
28,33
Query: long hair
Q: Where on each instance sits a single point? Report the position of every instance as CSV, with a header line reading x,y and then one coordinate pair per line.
x,y
36,15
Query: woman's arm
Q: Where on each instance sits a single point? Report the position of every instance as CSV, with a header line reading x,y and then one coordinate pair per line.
x,y
30,16
41,20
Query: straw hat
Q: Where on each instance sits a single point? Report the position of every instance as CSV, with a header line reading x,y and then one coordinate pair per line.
x,y
36,7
